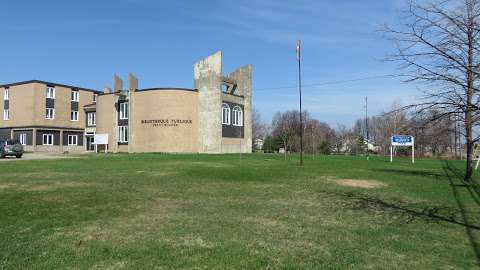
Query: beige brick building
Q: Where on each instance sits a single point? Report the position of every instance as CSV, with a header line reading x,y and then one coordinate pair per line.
x,y
213,117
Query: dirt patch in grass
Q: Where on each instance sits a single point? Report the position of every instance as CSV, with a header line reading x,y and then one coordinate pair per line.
x,y
156,173
212,164
123,229
37,175
43,186
368,184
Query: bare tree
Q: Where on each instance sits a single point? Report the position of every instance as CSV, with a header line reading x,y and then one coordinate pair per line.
x,y
284,128
438,46
259,128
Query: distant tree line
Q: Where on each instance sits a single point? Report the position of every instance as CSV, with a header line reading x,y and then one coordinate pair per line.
x,y
440,138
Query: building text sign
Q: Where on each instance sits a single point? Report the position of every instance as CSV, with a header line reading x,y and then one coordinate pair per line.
x,y
166,122
402,140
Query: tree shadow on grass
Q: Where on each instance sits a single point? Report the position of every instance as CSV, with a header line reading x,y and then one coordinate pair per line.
x,y
412,172
455,178
458,215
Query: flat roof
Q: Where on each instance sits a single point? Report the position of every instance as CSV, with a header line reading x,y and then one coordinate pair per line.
x,y
50,83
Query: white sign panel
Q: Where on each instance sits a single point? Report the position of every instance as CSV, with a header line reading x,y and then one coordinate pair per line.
x,y
101,139
402,140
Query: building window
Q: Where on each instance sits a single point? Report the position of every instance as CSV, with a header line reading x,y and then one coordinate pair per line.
x,y
123,134
50,113
225,114
23,139
75,96
237,116
124,110
6,94
74,115
72,139
91,121
6,114
50,92
95,98
47,139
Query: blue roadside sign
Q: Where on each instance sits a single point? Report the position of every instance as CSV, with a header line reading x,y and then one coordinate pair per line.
x,y
402,140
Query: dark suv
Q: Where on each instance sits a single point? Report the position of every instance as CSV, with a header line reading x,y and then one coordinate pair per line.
x,y
11,148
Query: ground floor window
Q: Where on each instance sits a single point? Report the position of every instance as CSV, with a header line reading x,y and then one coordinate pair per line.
x,y
72,139
23,139
47,139
123,134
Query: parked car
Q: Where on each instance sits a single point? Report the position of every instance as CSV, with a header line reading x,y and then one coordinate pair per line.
x,y
11,148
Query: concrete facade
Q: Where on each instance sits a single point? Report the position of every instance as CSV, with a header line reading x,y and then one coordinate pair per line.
x,y
171,120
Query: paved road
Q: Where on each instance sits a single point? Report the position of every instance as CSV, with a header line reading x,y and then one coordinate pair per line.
x,y
34,156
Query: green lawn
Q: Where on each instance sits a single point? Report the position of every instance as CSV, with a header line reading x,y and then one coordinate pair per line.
x,y
158,211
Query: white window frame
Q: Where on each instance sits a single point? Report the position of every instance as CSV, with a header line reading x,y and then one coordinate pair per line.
x,y
237,116
74,116
123,110
75,96
72,140
226,114
48,141
123,134
50,92
91,119
23,138
6,114
51,115
6,94
95,96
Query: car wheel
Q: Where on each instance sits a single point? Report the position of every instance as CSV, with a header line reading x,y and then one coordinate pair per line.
x,y
19,156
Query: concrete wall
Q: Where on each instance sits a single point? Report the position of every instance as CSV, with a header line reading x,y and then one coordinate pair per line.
x,y
27,106
164,121
21,106
208,80
107,119
243,78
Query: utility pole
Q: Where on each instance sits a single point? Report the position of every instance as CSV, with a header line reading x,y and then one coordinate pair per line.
x,y
366,127
299,60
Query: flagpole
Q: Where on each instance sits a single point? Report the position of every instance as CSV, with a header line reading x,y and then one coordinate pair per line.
x,y
299,58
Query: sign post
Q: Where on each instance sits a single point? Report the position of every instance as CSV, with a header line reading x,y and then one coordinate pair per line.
x,y
101,139
402,140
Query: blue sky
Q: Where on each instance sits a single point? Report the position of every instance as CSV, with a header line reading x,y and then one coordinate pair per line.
x,y
85,42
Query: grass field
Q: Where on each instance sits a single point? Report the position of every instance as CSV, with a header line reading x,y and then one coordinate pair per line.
x,y
158,211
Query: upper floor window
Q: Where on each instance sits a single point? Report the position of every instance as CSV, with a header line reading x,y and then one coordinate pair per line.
x,y
225,114
91,121
75,95
6,114
124,110
123,134
237,116
95,98
50,113
74,115
6,94
50,92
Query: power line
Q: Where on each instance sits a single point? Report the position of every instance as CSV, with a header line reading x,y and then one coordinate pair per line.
x,y
328,83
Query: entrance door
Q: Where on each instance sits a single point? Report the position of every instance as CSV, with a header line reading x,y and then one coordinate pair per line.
x,y
90,140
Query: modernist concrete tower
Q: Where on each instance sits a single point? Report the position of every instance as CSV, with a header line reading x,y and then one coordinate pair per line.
x,y
215,91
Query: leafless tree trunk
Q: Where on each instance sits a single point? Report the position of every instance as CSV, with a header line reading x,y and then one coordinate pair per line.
x,y
438,46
